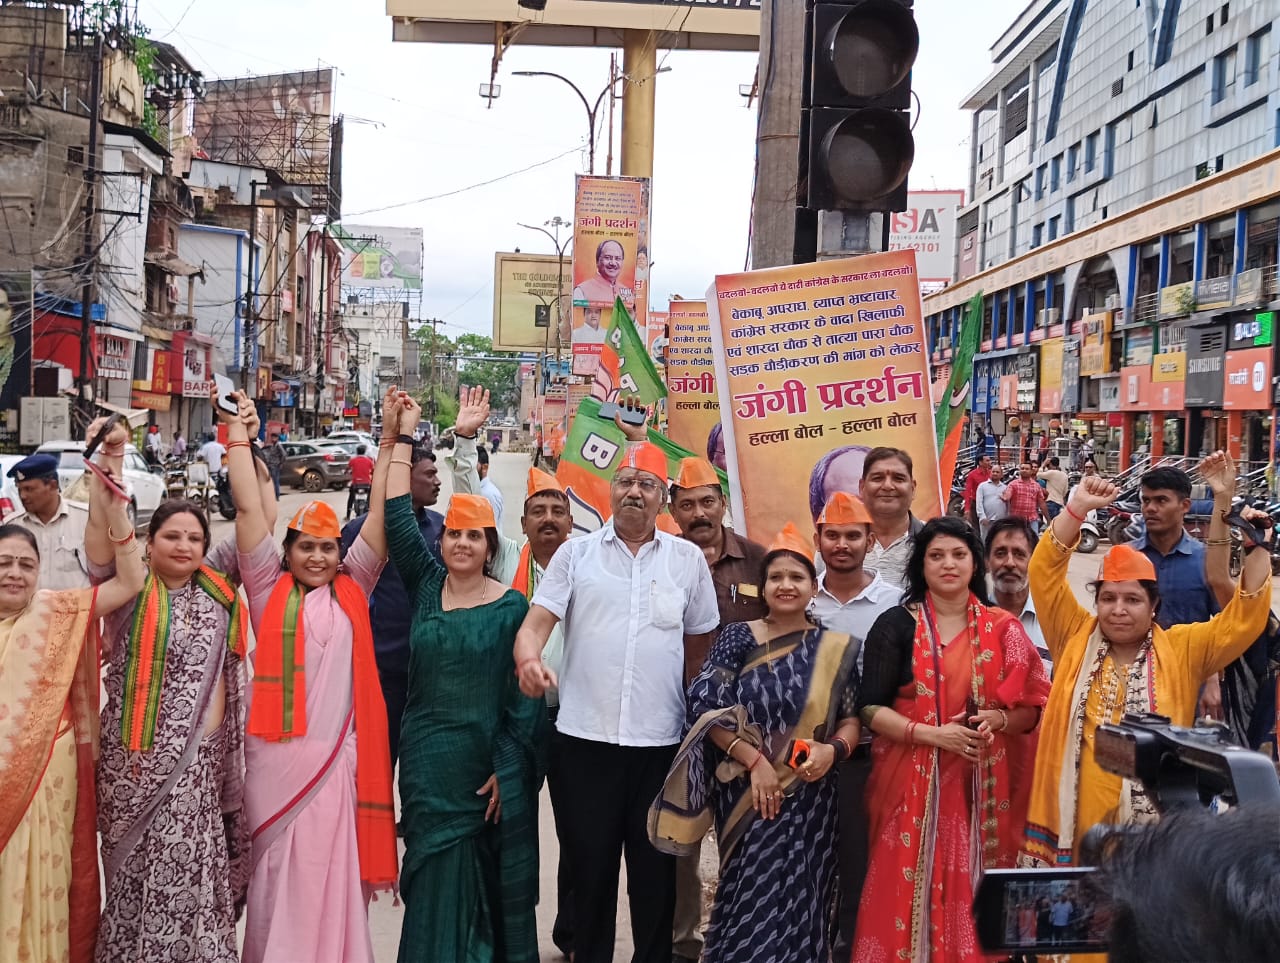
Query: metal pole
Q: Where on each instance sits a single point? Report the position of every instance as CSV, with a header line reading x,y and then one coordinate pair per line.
x,y
613,98
251,298
320,324
89,257
639,70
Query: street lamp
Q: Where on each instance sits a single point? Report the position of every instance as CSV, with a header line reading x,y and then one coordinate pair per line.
x,y
556,223
592,110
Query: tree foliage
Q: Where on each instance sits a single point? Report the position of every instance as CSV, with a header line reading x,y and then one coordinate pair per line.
x,y
473,354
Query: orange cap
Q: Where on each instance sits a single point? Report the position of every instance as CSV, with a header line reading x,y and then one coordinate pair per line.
x,y
540,481
1126,564
646,456
317,520
844,509
469,511
695,473
665,523
789,540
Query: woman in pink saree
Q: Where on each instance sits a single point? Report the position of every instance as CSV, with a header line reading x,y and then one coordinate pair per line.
x,y
318,768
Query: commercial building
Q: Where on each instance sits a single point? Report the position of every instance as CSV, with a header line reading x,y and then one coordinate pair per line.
x,y
1124,227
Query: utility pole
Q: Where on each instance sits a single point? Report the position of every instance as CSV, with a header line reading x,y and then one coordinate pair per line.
x,y
251,296
89,248
773,211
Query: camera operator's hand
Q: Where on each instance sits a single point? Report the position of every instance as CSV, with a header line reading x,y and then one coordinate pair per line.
x,y
1259,520
955,737
1218,471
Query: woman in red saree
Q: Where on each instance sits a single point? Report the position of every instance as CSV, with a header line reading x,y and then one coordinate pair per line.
x,y
952,689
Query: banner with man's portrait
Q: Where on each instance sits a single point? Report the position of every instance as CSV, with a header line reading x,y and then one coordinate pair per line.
x,y
610,261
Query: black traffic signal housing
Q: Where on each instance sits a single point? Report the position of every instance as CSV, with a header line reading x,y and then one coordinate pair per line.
x,y
856,143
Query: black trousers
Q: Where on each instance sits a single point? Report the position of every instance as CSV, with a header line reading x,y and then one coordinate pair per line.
x,y
562,929
608,790
851,856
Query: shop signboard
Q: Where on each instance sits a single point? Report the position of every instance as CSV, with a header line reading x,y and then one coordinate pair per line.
x,y
1070,374
981,387
1135,387
1255,332
1051,376
1138,347
1247,380
1028,375
1109,393
1095,344
1249,287
1205,349
1213,293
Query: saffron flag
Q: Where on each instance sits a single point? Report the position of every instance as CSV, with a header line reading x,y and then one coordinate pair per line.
x,y
625,366
949,417
592,454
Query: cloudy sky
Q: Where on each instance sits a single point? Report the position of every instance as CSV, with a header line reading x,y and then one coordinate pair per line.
x,y
417,129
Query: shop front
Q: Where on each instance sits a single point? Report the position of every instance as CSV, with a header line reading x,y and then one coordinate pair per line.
x,y
1206,421
1247,399
1168,401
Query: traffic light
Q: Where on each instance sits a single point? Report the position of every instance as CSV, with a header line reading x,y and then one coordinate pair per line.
x,y
856,143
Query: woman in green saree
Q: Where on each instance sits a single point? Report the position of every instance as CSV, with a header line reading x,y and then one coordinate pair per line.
x,y
469,769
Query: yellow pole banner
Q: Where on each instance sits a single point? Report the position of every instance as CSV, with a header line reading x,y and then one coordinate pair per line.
x,y
693,406
610,261
816,365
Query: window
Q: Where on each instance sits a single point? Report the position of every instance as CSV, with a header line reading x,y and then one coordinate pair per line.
x,y
1208,25
1041,171
1073,162
1037,235
1255,56
1055,224
1224,14
1055,174
1224,75
1091,152
1109,152
1130,59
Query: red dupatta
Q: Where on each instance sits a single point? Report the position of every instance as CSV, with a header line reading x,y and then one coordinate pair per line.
x,y
994,667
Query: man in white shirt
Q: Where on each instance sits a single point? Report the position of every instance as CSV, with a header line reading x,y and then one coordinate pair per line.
x,y
211,453
487,488
631,599
57,524
989,501
1008,549
850,598
887,488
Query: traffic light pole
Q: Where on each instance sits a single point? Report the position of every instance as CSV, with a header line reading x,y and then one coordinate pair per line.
x,y
845,233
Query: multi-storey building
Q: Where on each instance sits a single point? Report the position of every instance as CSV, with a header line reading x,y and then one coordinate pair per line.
x,y
1124,226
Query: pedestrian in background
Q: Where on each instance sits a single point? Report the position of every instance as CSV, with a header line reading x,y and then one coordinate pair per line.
x,y
989,502
1025,497
275,455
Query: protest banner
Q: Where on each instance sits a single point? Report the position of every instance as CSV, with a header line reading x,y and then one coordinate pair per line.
x,y
816,364
693,406
624,365
591,455
610,261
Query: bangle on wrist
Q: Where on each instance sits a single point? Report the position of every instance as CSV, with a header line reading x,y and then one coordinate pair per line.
x,y
402,461
1004,719
759,756
238,444
120,541
406,440
1071,512
729,752
459,434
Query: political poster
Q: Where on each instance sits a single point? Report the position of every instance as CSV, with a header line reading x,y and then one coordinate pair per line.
x,y
817,364
693,405
610,262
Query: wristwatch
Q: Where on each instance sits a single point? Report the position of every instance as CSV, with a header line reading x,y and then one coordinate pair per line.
x,y
405,440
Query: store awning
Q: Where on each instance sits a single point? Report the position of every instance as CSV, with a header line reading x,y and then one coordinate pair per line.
x,y
174,265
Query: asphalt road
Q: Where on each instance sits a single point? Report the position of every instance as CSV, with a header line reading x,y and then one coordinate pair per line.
x,y
509,472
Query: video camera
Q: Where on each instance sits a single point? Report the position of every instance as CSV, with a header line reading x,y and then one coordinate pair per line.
x,y
1055,910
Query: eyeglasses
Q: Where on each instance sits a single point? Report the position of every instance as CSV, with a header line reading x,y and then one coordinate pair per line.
x,y
647,485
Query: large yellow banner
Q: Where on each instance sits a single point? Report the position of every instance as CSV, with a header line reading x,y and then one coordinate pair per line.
x,y
529,292
693,405
816,365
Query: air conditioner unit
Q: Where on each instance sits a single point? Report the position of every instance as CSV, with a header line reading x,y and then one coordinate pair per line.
x,y
1048,316
1113,302
944,343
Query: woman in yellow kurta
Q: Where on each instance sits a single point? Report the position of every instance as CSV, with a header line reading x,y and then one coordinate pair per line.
x,y
1114,662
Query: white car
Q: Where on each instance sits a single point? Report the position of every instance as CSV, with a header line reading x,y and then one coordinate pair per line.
x,y
359,437
146,490
10,504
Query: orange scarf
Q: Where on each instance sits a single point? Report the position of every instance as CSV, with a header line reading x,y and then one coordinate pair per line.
x,y
523,582
279,710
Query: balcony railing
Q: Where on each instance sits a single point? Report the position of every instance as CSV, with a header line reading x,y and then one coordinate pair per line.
x,y
1146,308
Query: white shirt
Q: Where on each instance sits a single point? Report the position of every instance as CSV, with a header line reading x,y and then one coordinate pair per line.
x,y
1031,623
211,453
490,491
990,501
856,616
63,563
625,618
588,335
890,561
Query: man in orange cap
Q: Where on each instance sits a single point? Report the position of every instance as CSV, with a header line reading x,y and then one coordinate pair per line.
x,y
632,600
850,598
1115,661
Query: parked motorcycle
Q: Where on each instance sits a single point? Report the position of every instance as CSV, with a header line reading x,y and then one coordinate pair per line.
x,y
1118,521
359,500
226,505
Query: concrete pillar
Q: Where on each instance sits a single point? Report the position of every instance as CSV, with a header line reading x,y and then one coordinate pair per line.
x,y
640,65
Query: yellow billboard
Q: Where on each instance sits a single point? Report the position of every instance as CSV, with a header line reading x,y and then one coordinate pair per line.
x,y
522,285
1095,344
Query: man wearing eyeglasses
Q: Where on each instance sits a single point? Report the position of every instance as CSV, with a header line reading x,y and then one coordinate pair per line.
x,y
632,600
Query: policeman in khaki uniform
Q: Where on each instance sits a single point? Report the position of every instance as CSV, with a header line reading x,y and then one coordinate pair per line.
x,y
698,506
57,524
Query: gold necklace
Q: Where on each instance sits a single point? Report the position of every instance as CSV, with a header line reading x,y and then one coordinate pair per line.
x,y
484,591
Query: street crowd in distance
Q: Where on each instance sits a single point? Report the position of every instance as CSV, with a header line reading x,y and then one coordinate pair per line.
x,y
867,712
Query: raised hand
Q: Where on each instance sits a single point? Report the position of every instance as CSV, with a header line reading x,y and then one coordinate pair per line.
x,y
473,410
410,414
1092,493
633,432
391,412
117,438
1219,473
